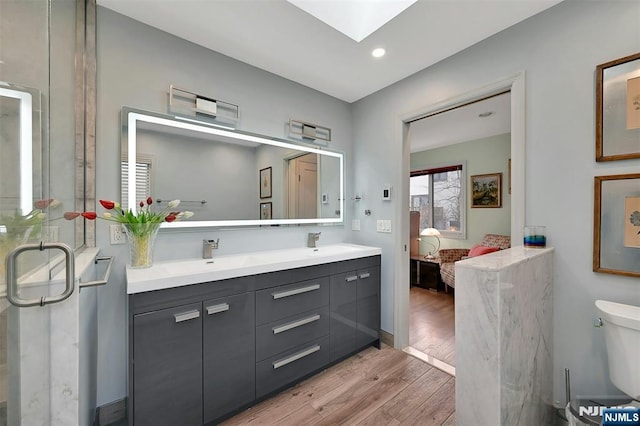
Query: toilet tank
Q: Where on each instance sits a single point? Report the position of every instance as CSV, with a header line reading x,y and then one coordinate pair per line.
x,y
621,325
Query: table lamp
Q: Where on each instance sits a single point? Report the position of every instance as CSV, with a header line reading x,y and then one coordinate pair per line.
x,y
431,232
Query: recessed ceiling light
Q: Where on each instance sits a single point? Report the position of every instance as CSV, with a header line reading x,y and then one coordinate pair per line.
x,y
485,114
378,53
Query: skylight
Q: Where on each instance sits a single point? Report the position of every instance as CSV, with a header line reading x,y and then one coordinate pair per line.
x,y
356,19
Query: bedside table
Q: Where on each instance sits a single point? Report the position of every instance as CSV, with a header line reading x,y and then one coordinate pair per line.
x,y
425,273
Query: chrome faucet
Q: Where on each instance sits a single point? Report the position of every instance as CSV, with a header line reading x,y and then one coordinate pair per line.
x,y
312,238
207,248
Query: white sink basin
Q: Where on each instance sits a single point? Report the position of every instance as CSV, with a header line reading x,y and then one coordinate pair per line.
x,y
191,271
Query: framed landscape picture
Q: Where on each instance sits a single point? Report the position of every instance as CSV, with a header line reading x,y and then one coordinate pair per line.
x,y
618,109
486,190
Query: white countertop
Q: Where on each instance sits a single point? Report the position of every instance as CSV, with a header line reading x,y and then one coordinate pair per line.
x,y
177,273
503,258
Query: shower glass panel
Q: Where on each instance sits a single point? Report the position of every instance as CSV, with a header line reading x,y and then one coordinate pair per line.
x,y
37,185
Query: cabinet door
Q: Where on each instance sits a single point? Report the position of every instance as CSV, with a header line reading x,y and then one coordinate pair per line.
x,y
368,306
343,314
167,364
229,354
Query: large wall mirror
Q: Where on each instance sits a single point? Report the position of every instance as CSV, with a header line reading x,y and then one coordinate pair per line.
x,y
227,177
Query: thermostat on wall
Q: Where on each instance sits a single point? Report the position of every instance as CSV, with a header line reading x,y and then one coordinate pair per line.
x,y
386,193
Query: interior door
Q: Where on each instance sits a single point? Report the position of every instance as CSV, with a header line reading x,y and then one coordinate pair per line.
x,y
303,187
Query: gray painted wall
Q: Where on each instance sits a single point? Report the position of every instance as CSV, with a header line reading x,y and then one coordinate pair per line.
x,y
136,65
559,50
481,156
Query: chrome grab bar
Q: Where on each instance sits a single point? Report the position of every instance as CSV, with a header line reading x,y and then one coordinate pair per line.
x,y
107,273
12,279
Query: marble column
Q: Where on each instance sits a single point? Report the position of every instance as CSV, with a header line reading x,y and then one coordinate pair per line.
x,y
504,335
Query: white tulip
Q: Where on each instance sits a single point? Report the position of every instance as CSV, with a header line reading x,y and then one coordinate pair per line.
x,y
107,215
173,204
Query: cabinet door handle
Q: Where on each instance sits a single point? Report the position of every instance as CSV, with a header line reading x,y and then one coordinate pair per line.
x,y
293,292
186,316
288,360
351,278
295,324
216,309
364,275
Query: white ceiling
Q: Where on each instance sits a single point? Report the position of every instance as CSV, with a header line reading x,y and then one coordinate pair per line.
x,y
462,124
281,38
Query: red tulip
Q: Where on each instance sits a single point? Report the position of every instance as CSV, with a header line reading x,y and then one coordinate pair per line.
x,y
149,201
89,215
107,204
71,215
41,204
170,217
141,204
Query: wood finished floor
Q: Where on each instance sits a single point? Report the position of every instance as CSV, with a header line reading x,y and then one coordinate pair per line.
x,y
432,323
374,387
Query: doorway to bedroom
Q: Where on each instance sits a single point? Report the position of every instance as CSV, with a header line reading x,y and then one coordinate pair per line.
x,y
447,148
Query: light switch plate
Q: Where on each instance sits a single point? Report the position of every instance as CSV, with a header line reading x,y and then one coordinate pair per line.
x,y
383,226
355,225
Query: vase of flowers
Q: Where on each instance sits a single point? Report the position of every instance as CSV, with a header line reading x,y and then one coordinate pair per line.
x,y
140,227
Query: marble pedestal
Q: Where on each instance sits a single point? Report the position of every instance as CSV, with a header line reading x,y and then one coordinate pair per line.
x,y
504,334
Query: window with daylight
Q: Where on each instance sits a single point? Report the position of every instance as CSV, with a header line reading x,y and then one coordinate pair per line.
x,y
143,179
438,193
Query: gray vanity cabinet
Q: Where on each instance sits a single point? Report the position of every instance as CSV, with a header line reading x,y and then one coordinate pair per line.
x,y
228,336
168,366
200,353
355,306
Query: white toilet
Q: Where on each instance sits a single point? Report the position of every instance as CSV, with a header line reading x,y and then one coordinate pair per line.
x,y
621,325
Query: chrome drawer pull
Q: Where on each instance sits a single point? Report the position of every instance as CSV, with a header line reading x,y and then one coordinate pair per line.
x,y
295,357
365,275
216,309
295,324
186,316
293,292
351,278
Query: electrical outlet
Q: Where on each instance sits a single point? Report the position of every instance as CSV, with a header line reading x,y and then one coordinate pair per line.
x,y
117,235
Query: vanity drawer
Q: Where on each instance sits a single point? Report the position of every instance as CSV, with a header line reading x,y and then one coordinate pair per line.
x,y
282,369
290,332
284,301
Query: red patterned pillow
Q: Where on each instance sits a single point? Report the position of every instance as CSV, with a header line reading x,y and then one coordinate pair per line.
x,y
479,250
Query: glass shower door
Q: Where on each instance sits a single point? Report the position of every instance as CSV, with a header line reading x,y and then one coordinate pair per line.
x,y
37,185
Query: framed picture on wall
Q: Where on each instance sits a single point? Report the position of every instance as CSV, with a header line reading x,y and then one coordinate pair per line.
x,y
618,109
266,211
486,190
616,225
265,182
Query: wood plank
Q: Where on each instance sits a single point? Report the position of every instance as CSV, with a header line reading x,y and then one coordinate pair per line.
x,y
374,387
414,396
432,324
436,409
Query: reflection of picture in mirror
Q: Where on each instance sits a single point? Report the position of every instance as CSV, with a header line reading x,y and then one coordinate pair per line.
x,y
265,211
265,183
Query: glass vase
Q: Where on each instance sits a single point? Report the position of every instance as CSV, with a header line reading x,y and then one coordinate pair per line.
x,y
141,237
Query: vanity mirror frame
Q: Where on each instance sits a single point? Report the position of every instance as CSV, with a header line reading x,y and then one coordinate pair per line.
x,y
132,117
